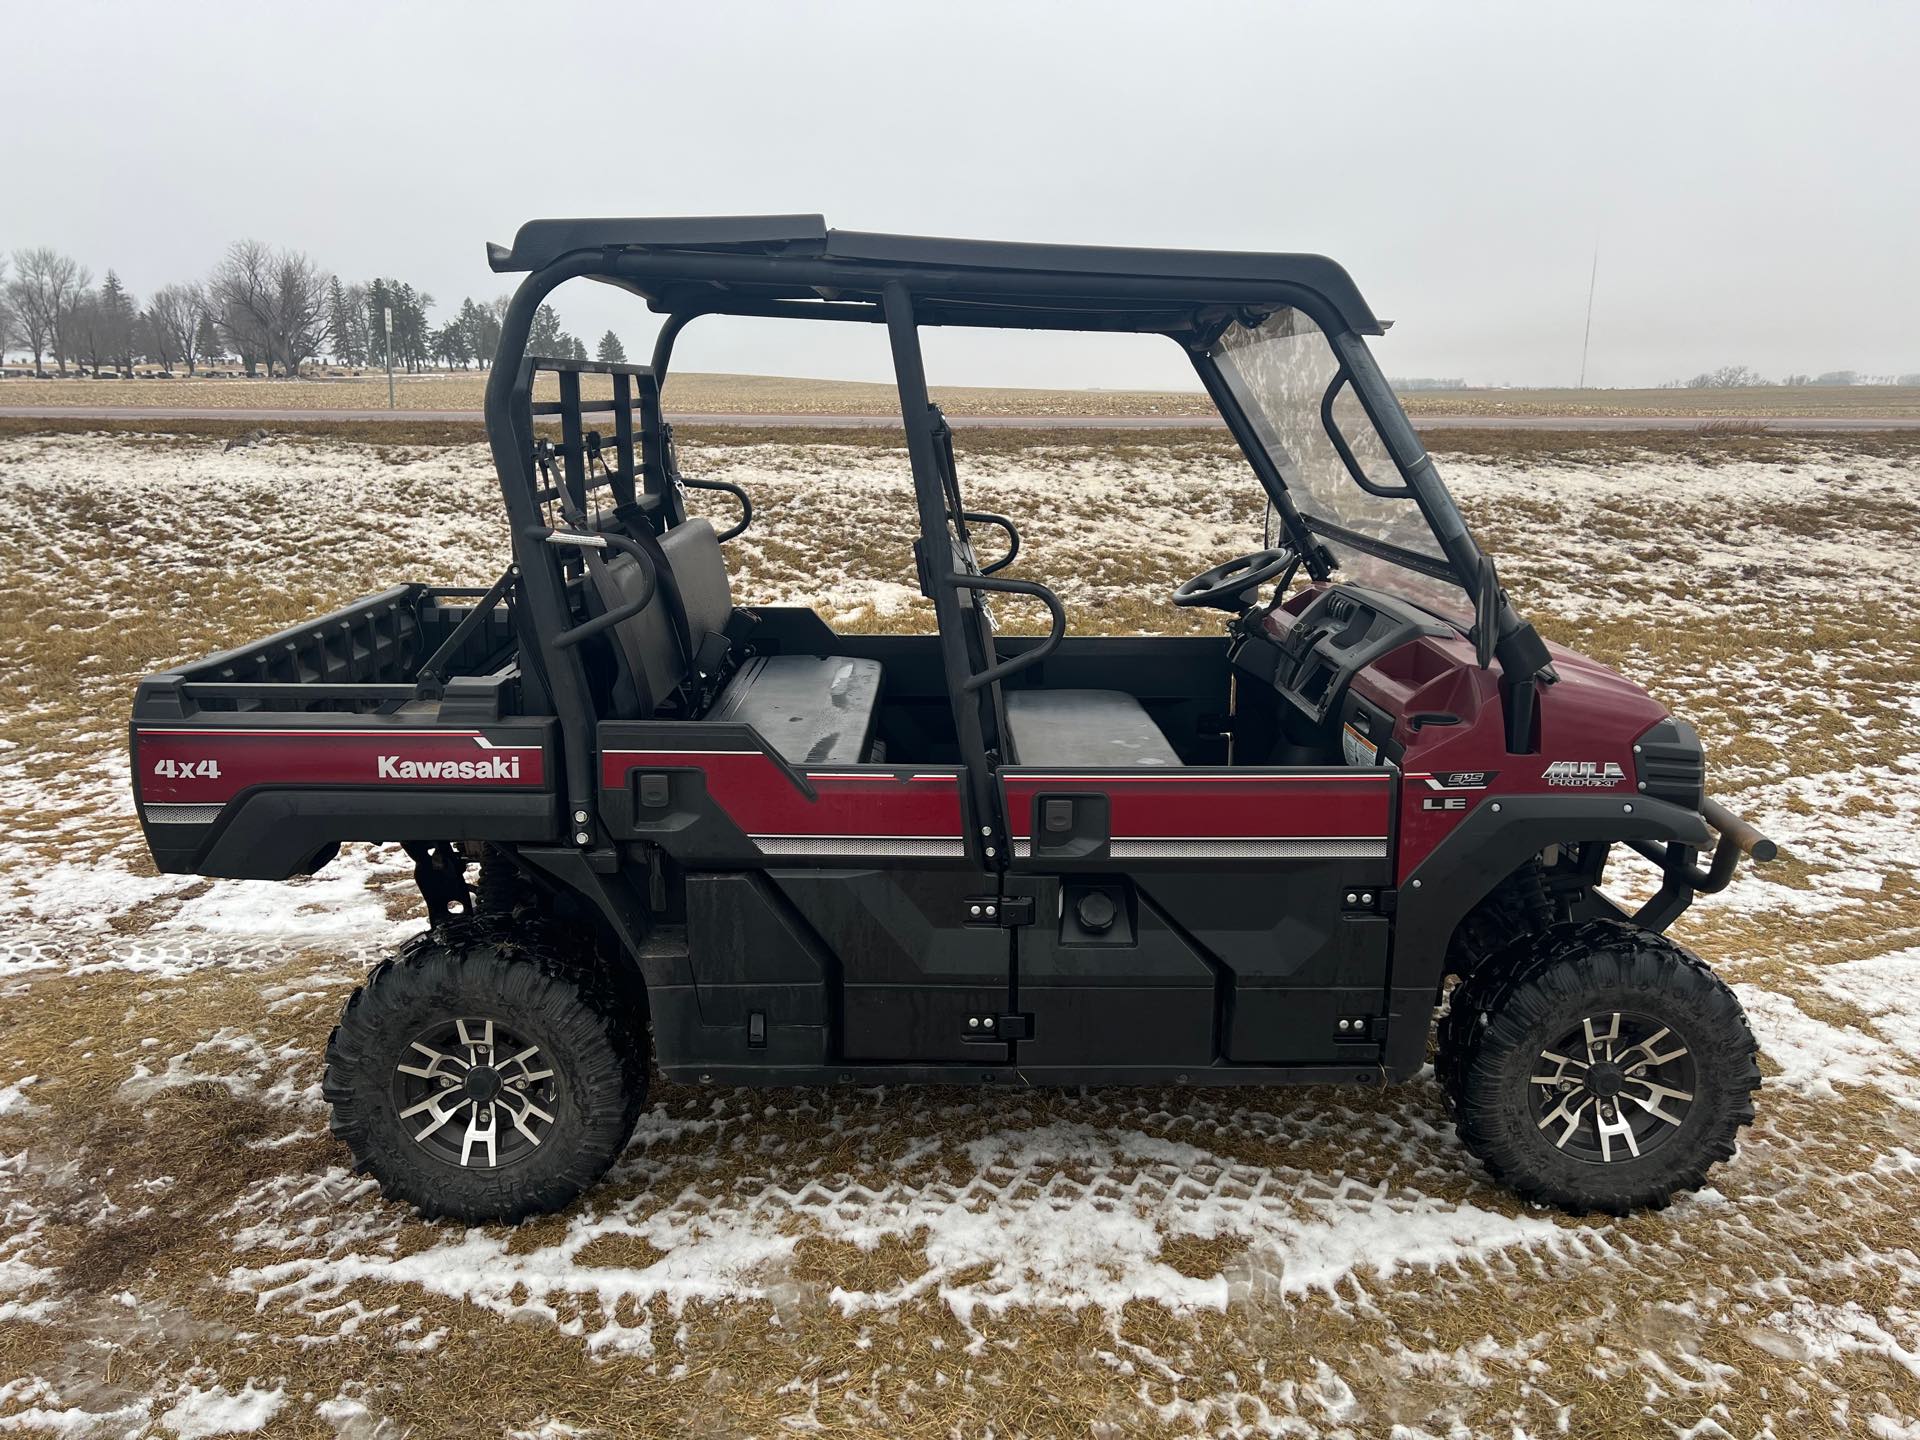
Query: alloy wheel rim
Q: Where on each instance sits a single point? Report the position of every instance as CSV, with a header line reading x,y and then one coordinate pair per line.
x,y
1615,1087
473,1093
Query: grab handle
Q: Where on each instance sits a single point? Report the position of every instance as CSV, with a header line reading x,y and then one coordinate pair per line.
x,y
568,638
1000,522
1046,647
746,505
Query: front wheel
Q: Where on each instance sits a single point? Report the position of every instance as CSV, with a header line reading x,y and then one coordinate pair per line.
x,y
1598,1067
485,1074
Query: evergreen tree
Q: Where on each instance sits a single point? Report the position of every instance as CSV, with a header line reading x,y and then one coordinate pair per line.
x,y
411,336
343,330
611,351
207,342
482,328
117,321
450,345
545,337
378,301
579,350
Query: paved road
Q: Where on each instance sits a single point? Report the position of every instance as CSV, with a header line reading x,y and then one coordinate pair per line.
x,y
1002,422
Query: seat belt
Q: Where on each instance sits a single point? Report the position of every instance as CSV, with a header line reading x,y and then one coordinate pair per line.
x,y
605,586
633,521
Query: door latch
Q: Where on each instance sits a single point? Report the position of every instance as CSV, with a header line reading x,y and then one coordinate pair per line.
x,y
998,1027
1002,911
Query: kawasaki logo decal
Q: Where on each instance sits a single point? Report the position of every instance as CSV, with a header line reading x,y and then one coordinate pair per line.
x,y
497,767
1586,774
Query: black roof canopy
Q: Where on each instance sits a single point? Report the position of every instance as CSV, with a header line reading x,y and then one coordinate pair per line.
x,y
759,264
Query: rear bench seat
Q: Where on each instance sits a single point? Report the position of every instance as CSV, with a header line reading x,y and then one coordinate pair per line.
x,y
812,709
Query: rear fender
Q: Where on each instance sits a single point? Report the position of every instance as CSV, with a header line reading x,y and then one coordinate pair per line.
x,y
646,961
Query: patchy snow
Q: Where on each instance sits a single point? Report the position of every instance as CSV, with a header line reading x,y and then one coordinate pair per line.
x,y
1814,1057
1021,1231
330,905
43,1415
1330,1212
197,1413
232,1059
1883,986
13,1098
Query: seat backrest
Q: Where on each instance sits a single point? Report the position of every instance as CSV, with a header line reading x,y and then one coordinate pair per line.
x,y
651,650
699,569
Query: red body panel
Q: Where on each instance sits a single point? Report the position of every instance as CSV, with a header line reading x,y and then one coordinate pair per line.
x,y
209,765
1589,718
859,802
1218,805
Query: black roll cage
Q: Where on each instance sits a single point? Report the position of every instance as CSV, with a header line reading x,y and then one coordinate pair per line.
x,y
793,267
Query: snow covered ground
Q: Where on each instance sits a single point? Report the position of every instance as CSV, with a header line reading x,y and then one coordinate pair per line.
x,y
183,1252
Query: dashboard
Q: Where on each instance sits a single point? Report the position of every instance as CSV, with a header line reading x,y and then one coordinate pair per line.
x,y
1310,657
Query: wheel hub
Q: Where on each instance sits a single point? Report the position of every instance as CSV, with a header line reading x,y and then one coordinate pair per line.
x,y
475,1094
1614,1088
482,1084
1605,1079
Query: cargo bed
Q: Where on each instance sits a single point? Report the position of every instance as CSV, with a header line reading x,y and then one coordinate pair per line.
x,y
257,762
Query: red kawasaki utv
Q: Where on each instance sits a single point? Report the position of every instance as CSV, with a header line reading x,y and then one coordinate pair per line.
x,y
651,825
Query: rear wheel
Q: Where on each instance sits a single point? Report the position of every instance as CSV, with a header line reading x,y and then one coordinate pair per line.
x,y
1598,1067
485,1074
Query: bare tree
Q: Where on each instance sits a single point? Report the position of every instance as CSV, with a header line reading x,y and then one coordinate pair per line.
x,y
270,306
41,298
74,300
157,341
85,332
299,295
6,313
1727,377
174,318
240,295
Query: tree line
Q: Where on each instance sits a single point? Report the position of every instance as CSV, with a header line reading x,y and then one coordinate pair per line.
x,y
272,311
1743,377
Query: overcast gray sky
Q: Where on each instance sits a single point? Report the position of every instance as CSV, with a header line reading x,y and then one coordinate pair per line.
x,y
1747,170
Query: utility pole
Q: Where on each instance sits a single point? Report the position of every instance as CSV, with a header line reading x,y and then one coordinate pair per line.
x,y
388,312
1592,276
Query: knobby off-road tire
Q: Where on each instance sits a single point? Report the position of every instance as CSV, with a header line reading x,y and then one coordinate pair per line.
x,y
475,1021
1527,1060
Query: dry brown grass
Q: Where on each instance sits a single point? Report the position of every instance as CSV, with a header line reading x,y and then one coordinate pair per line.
x,y
696,393
688,392
1647,1326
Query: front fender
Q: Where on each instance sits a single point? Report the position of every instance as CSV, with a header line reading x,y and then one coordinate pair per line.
x,y
1483,849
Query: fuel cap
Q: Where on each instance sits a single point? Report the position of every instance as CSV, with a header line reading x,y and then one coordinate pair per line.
x,y
1095,910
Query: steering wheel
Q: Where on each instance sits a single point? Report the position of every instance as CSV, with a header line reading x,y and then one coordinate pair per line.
x,y
1231,586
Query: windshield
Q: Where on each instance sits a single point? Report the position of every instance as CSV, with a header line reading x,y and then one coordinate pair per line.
x,y
1281,372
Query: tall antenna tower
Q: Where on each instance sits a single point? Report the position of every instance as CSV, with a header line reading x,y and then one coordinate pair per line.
x,y
1592,276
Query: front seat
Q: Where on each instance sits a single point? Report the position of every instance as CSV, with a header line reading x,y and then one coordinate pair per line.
x,y
1083,729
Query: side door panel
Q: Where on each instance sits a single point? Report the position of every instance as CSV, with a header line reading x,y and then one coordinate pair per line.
x,y
1106,979
1241,872
865,921
912,971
